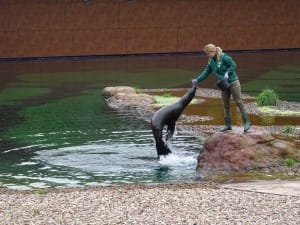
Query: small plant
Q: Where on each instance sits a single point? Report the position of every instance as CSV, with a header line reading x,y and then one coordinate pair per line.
x,y
42,191
288,129
289,162
36,212
137,90
256,166
167,95
267,97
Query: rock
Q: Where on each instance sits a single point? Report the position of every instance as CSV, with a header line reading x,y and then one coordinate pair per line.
x,y
111,91
233,151
123,100
123,97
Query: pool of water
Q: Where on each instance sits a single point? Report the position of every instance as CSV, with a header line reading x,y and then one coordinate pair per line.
x,y
56,130
122,155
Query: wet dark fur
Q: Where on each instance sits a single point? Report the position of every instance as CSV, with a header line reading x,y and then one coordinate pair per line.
x,y
168,115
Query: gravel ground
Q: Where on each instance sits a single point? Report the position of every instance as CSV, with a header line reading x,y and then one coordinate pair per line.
x,y
156,204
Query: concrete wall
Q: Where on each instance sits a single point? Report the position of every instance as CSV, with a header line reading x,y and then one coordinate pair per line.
x,y
35,28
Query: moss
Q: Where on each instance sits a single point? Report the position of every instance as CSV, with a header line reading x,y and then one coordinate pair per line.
x,y
270,110
163,100
167,100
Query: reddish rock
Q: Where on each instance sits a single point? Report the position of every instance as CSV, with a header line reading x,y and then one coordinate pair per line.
x,y
237,151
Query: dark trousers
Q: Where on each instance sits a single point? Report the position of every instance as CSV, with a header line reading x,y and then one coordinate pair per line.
x,y
235,91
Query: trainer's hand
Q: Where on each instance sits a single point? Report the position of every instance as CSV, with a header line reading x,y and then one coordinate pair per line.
x,y
194,82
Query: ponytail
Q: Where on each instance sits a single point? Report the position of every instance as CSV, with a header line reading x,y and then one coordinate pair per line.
x,y
218,50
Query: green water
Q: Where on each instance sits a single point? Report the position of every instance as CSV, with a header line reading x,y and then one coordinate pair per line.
x,y
56,129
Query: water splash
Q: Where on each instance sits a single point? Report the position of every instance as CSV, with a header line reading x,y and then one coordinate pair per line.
x,y
176,160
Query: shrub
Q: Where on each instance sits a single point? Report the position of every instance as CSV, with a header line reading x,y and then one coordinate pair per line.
x,y
267,97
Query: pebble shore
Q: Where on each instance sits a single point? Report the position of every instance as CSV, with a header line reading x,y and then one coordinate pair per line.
x,y
171,204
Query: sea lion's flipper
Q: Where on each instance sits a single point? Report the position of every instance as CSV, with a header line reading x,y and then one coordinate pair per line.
x,y
170,130
162,148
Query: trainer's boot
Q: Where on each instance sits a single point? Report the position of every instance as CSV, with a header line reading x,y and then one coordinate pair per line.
x,y
246,121
227,121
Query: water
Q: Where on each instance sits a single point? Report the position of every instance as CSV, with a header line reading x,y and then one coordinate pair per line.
x,y
124,156
56,130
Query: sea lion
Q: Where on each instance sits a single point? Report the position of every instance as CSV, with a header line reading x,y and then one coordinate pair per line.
x,y
168,115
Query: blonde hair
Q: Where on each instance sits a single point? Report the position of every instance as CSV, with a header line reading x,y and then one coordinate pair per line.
x,y
212,47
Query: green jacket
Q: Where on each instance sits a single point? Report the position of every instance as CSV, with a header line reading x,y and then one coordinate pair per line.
x,y
226,64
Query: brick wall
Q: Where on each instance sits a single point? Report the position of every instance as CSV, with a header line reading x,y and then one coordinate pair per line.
x,y
35,28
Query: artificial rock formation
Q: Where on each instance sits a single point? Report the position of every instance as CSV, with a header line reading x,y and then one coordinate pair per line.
x,y
121,97
230,151
234,151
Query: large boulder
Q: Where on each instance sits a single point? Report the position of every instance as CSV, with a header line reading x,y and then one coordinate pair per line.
x,y
111,91
233,151
125,98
